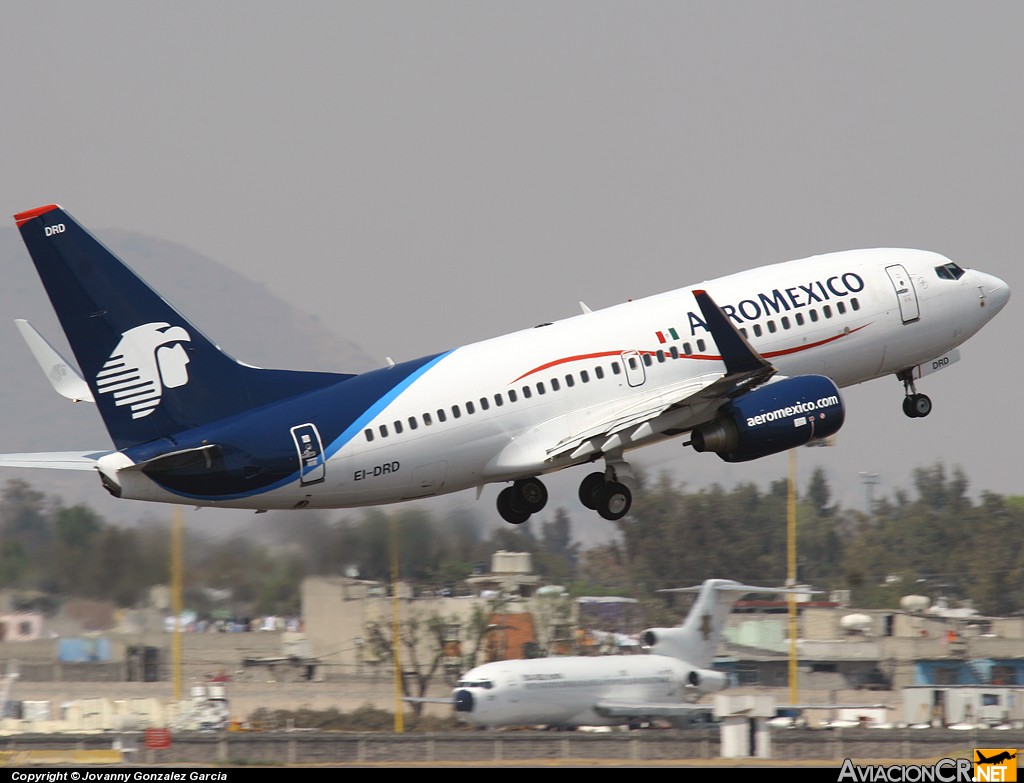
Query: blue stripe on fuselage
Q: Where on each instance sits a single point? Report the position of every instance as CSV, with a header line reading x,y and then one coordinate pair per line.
x,y
259,457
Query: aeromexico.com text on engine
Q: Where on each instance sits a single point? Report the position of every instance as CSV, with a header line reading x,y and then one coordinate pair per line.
x,y
792,410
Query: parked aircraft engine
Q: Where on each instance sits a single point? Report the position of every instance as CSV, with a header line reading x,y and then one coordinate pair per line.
x,y
707,680
789,412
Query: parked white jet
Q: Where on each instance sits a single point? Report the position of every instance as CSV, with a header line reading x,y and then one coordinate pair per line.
x,y
610,690
755,376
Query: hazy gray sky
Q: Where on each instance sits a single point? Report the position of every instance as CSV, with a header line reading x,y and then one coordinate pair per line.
x,y
424,174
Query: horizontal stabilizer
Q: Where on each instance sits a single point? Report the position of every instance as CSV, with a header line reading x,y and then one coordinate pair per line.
x,y
728,586
177,460
62,376
56,460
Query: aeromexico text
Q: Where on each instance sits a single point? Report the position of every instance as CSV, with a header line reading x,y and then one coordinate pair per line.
x,y
780,300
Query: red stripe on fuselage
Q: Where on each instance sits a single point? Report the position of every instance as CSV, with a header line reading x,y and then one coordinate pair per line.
x,y
701,357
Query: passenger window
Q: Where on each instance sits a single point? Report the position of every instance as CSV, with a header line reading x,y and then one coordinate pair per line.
x,y
383,430
570,381
456,412
554,384
615,368
512,395
499,400
674,352
855,303
599,372
413,423
470,408
398,428
689,351
441,416
484,404
701,346
757,330
527,392
584,376
785,321
648,360
799,319
814,314
427,420
369,435
841,307
540,387
827,311
772,327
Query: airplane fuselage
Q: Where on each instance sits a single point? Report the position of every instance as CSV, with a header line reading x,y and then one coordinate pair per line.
x,y
570,691
522,405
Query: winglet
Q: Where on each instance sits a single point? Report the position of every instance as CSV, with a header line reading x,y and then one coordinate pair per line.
x,y
23,217
59,372
736,352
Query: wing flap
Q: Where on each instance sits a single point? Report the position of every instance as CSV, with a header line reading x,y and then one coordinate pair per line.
x,y
641,409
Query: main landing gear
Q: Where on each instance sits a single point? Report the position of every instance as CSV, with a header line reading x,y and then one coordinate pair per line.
x,y
915,405
525,497
600,492
608,497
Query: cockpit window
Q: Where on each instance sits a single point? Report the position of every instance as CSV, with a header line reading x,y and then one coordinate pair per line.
x,y
949,271
485,684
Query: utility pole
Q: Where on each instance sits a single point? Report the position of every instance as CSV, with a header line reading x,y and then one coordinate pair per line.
x,y
791,577
396,629
176,603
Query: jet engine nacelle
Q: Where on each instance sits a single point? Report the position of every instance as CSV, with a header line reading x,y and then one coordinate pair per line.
x,y
789,412
707,680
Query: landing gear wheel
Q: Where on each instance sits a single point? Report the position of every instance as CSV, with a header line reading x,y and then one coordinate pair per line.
x,y
589,488
508,508
922,405
613,500
917,406
530,495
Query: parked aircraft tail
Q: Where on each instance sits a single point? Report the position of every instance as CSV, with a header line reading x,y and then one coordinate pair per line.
x,y
151,372
696,640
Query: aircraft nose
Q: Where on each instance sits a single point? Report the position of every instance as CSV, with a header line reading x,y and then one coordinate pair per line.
x,y
463,701
996,293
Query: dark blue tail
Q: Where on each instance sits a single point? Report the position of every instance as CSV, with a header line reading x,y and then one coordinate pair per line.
x,y
151,372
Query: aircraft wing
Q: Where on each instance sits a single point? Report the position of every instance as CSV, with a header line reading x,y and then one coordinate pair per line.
x,y
57,460
682,406
631,709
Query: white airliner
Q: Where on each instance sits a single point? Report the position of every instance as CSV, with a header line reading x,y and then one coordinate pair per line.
x,y
610,690
742,366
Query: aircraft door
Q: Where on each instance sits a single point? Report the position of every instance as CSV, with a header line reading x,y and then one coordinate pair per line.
x,y
905,293
633,364
312,469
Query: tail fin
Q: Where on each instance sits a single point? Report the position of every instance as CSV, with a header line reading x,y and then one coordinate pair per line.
x,y
151,372
696,640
